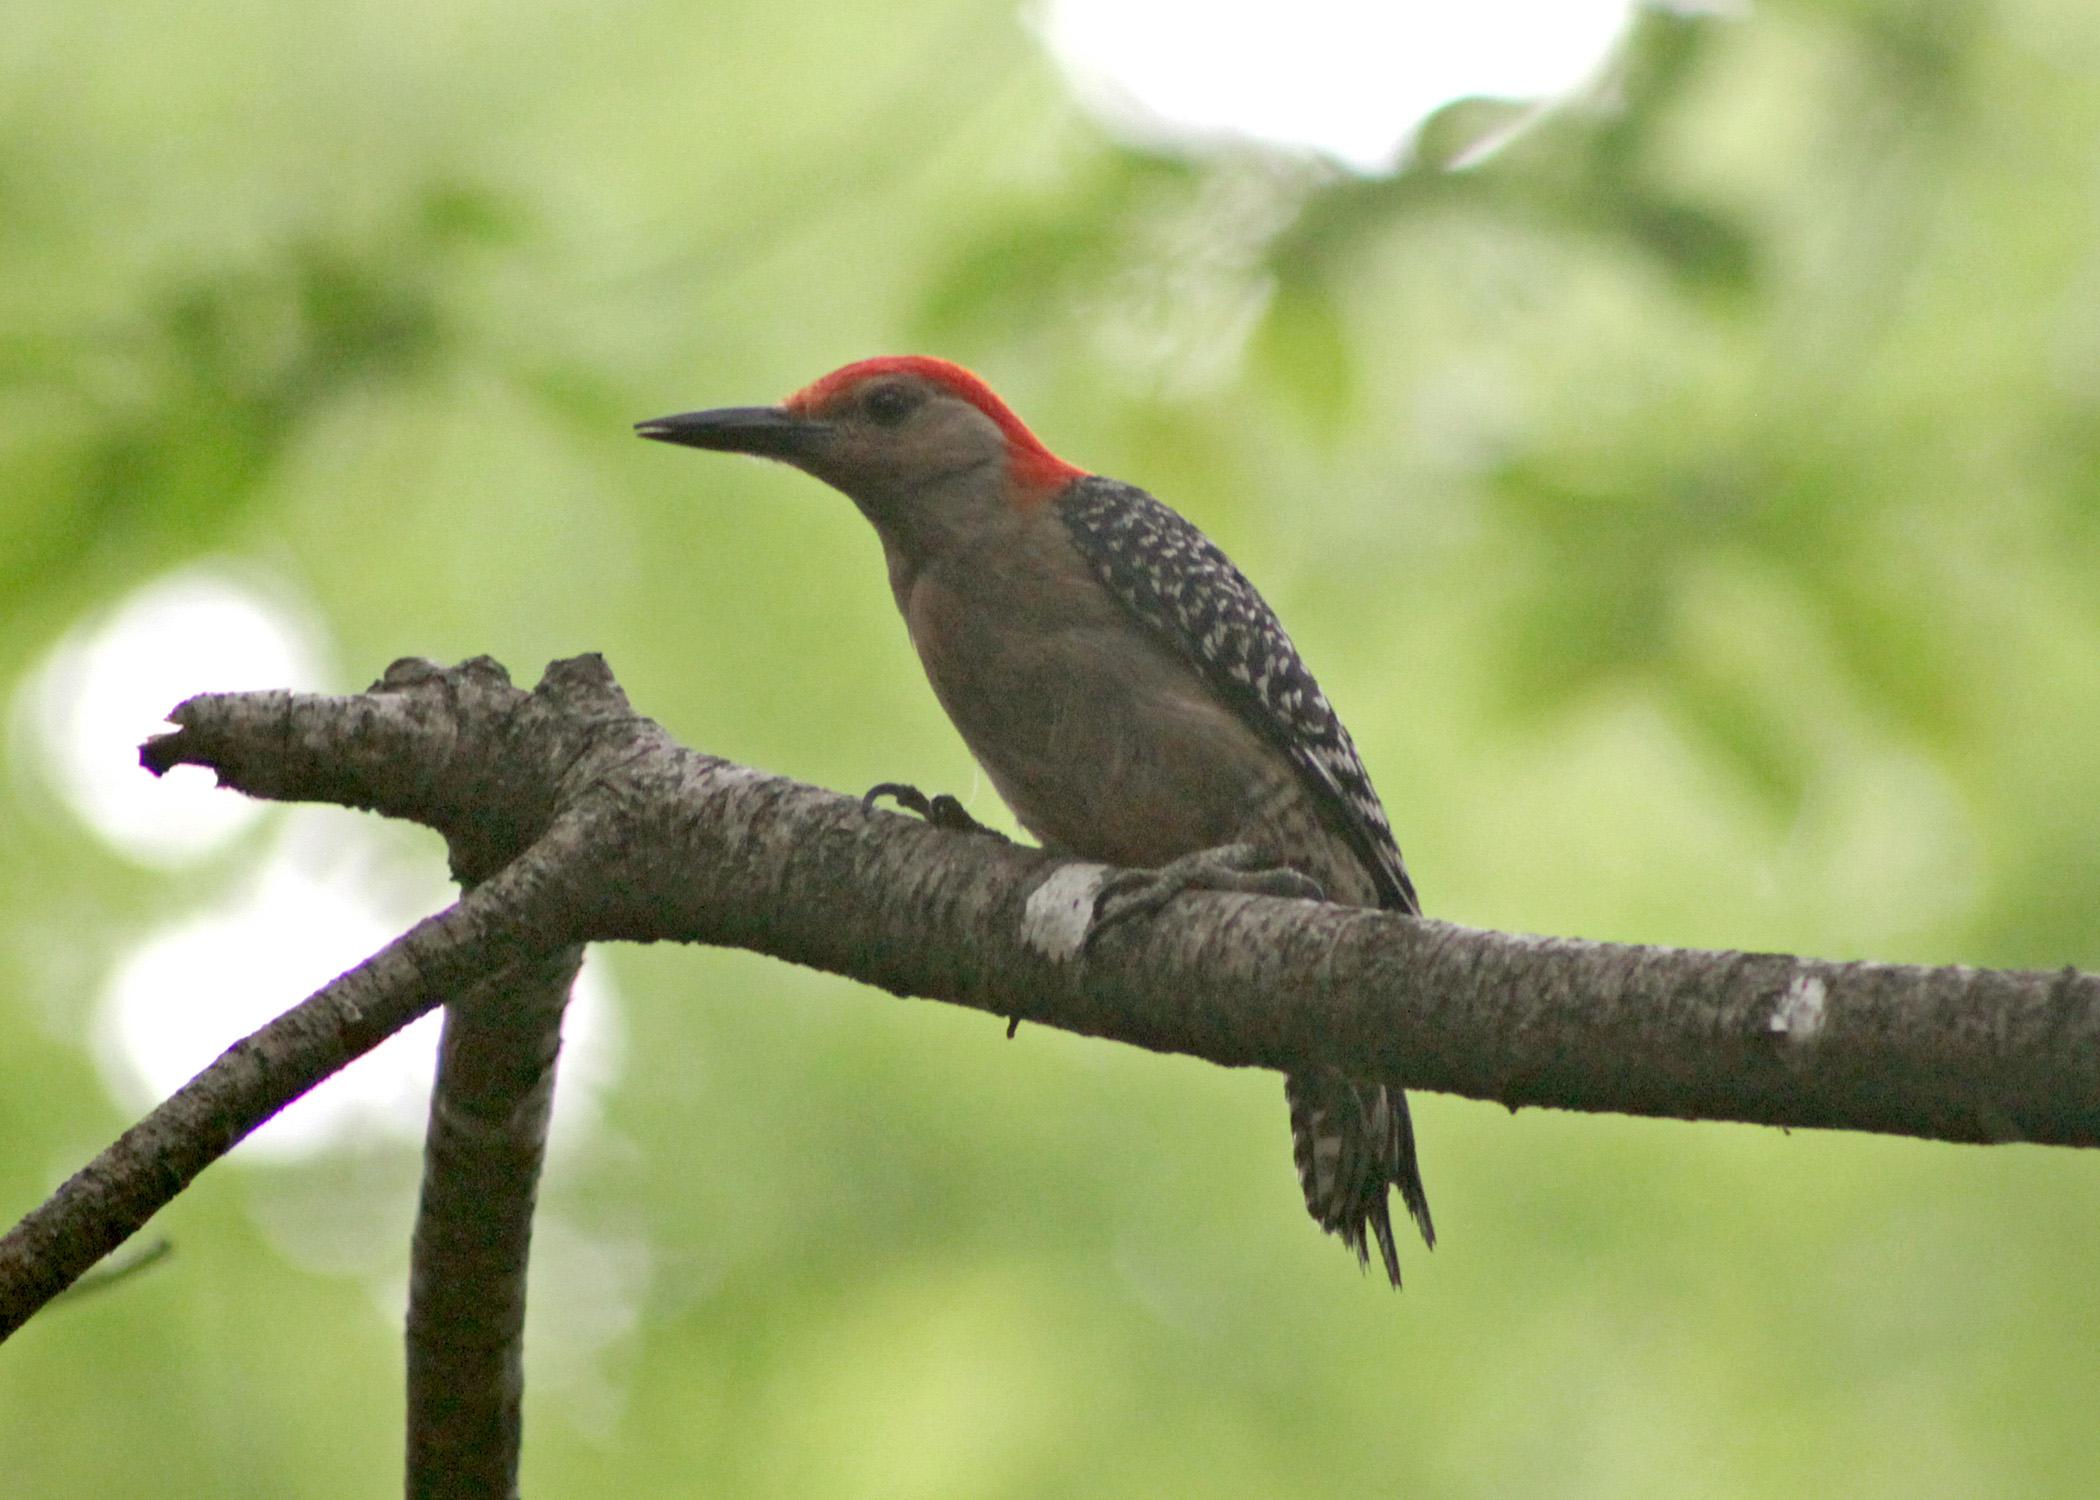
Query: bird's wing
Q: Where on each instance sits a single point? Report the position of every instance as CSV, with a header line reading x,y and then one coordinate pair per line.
x,y
1189,594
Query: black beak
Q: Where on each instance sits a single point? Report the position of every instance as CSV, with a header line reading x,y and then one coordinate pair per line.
x,y
768,431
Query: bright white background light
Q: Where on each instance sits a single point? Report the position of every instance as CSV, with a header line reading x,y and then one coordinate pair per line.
x,y
1348,78
321,894
107,686
310,911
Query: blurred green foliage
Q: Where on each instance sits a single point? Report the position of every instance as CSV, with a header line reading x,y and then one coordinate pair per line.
x,y
1691,495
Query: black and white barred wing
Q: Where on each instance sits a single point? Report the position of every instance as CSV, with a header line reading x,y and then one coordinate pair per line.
x,y
1188,592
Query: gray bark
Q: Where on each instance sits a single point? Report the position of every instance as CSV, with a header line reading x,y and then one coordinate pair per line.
x,y
571,819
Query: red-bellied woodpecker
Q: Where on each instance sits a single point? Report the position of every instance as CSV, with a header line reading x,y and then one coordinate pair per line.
x,y
1124,687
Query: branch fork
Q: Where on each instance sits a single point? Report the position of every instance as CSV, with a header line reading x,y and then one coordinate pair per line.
x,y
570,819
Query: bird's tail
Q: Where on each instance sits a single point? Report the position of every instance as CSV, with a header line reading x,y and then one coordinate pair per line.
x,y
1352,1141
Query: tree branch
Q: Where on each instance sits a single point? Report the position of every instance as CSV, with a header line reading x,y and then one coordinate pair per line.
x,y
482,1154
629,836
111,1198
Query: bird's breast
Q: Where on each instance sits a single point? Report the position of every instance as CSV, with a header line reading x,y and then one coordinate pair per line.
x,y
1103,741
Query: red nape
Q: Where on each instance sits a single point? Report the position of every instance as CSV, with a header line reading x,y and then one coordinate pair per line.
x,y
1034,467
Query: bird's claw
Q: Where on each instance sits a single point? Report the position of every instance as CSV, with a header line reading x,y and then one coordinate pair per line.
x,y
1240,868
903,793
940,810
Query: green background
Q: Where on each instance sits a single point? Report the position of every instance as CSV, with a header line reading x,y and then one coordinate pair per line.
x,y
1694,509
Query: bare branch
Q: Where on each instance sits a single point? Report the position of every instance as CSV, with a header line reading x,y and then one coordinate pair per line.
x,y
633,837
673,845
494,1093
111,1198
466,1294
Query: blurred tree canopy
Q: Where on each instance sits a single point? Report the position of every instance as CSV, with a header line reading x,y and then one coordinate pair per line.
x,y
1690,494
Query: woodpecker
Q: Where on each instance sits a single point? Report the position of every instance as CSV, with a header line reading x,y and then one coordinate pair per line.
x,y
1129,694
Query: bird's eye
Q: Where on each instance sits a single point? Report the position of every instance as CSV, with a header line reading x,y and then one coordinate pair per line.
x,y
887,405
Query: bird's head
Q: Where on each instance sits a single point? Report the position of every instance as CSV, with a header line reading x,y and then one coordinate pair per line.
x,y
917,443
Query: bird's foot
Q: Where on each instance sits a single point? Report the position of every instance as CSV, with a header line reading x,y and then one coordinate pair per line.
x,y
1239,868
941,810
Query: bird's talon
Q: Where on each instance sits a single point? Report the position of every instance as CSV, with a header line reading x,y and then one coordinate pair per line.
x,y
940,810
1130,893
949,813
1285,882
1239,868
904,794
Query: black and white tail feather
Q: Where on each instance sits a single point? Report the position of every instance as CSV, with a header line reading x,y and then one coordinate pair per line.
x,y
1351,1141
